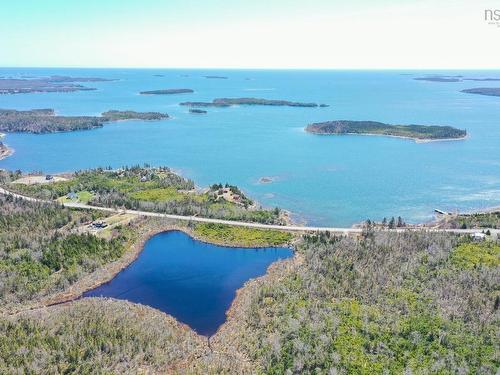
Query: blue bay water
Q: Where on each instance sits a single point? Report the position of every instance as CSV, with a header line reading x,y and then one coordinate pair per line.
x,y
195,282
324,180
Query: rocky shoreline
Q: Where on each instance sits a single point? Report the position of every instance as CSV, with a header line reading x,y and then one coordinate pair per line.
x,y
5,151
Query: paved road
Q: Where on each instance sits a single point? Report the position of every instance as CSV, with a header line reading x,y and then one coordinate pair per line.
x,y
291,228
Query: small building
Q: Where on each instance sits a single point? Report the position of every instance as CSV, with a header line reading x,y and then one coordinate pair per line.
x,y
72,196
144,179
478,236
49,177
99,224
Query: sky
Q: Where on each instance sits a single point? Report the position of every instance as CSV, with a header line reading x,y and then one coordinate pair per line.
x,y
325,34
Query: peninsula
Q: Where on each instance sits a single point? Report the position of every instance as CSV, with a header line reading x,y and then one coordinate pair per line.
x,y
416,132
150,189
488,91
167,92
227,102
46,84
46,121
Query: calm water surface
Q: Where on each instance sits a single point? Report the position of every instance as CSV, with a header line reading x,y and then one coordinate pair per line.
x,y
325,180
193,281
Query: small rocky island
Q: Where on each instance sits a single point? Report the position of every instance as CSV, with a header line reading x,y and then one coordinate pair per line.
x,y
489,91
416,132
167,92
216,77
46,121
46,84
227,102
197,111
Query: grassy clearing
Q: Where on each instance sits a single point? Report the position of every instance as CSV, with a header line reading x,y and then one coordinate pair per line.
x,y
227,234
472,255
157,195
82,197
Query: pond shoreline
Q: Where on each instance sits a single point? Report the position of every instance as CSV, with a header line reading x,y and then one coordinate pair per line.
x,y
147,229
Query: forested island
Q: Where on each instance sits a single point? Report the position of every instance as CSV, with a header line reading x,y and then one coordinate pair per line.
x,y
46,84
46,121
416,132
440,78
227,102
114,115
489,91
167,92
456,78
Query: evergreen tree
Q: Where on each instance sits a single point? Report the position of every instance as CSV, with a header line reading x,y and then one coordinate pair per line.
x,y
392,223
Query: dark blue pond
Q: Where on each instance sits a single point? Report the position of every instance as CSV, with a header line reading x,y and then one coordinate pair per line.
x,y
193,281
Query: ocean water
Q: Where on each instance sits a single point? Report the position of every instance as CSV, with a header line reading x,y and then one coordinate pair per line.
x,y
195,282
323,180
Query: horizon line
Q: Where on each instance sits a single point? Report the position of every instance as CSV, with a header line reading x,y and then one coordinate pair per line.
x,y
239,68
